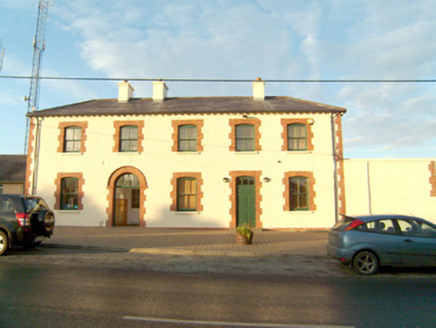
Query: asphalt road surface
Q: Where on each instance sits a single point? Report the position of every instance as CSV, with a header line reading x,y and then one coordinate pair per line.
x,y
61,288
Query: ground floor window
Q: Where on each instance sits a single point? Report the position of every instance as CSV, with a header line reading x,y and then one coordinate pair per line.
x,y
69,193
299,192
187,194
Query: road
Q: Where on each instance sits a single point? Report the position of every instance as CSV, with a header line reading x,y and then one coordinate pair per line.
x,y
64,288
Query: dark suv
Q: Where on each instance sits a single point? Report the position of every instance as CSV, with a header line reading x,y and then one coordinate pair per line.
x,y
24,220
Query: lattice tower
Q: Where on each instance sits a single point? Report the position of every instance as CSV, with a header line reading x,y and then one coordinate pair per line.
x,y
38,49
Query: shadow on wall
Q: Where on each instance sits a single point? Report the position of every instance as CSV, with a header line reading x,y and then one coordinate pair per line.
x,y
172,219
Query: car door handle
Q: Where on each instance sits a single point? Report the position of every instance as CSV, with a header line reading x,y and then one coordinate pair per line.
x,y
408,240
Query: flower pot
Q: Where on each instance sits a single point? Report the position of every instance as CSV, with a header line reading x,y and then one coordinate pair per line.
x,y
243,239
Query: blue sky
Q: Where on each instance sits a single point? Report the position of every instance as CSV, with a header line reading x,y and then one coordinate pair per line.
x,y
244,39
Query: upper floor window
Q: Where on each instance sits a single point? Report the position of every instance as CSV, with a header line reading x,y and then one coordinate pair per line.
x,y
187,138
186,194
297,137
244,135
69,193
73,139
128,138
245,140
297,134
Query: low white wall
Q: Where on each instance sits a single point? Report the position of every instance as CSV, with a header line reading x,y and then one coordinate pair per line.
x,y
386,186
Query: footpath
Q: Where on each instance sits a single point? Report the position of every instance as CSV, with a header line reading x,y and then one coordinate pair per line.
x,y
200,242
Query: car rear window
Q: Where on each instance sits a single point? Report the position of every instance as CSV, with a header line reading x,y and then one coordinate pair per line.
x,y
34,204
343,223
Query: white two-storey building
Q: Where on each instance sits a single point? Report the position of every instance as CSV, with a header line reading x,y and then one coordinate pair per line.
x,y
201,162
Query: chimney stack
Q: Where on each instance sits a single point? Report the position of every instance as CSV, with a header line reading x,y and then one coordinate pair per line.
x,y
125,92
259,89
160,90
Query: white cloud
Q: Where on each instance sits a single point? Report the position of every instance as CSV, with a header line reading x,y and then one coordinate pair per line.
x,y
281,39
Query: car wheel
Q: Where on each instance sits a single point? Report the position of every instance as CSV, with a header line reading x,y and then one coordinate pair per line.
x,y
4,243
365,263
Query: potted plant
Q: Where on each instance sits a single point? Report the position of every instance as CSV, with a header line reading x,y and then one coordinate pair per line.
x,y
244,235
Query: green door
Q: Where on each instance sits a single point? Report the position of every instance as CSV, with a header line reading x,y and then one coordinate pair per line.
x,y
245,201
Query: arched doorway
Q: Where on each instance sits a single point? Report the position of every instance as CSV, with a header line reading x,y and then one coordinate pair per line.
x,y
126,198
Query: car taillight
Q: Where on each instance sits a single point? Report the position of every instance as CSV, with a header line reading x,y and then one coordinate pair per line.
x,y
353,225
23,219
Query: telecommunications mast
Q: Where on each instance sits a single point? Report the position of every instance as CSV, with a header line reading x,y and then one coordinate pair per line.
x,y
38,49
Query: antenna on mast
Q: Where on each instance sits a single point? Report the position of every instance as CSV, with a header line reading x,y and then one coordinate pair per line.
x,y
38,49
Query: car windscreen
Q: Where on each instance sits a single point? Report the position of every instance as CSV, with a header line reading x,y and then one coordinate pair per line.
x,y
344,222
34,204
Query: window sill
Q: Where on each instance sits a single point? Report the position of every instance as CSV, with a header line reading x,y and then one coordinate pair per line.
x,y
187,213
72,154
301,212
127,153
188,153
246,152
299,152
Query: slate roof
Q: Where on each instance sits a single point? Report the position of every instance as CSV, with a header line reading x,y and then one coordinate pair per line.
x,y
13,168
188,105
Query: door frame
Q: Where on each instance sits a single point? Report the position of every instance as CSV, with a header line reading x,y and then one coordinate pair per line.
x,y
233,196
112,189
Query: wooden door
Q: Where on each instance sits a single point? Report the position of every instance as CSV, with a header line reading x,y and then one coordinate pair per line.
x,y
120,212
245,201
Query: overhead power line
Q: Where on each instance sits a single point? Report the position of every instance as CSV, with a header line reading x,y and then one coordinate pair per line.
x,y
78,78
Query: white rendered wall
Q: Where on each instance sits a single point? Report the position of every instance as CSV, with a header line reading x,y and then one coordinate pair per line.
x,y
158,163
391,186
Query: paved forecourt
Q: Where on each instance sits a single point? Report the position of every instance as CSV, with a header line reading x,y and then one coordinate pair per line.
x,y
211,242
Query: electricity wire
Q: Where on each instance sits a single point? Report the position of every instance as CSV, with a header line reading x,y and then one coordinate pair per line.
x,y
224,80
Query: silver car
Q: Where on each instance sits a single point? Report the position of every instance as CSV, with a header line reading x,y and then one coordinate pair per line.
x,y
368,242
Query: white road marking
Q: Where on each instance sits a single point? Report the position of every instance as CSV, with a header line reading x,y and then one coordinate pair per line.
x,y
232,324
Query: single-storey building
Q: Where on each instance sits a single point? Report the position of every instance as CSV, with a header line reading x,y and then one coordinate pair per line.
x,y
12,174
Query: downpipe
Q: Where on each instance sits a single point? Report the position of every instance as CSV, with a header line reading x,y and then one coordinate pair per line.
x,y
335,166
36,156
